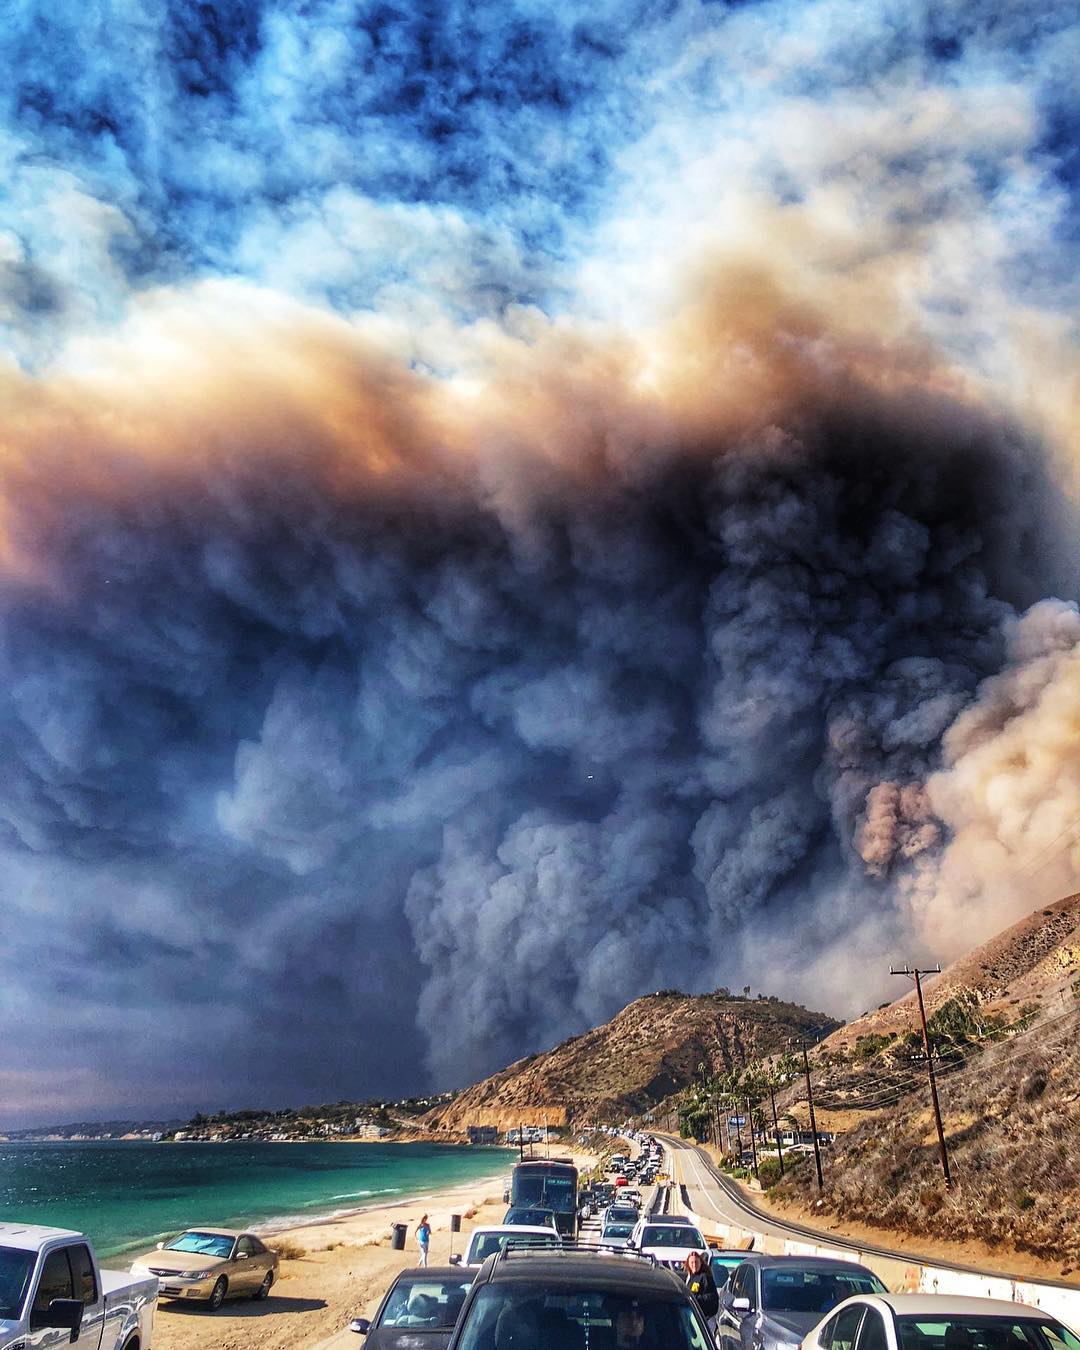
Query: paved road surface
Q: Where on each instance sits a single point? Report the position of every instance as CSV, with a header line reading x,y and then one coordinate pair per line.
x,y
709,1199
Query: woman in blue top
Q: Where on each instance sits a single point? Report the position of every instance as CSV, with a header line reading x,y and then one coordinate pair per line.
x,y
423,1237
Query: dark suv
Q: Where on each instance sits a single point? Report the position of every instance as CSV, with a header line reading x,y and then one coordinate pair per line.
x,y
578,1301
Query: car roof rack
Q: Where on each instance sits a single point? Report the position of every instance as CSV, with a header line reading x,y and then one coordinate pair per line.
x,y
574,1246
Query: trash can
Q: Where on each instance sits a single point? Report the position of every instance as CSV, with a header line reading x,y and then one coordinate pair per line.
x,y
397,1236
455,1223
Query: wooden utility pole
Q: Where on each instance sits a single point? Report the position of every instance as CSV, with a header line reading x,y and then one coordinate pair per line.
x,y
813,1121
753,1145
776,1128
914,973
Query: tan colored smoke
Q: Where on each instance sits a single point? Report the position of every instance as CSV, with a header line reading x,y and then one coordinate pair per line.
x,y
1010,789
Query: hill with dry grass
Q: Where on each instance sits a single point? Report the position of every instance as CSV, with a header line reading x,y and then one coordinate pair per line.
x,y
646,1054
1033,961
1005,1030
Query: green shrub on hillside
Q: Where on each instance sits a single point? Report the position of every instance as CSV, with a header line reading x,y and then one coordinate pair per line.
x,y
866,1047
769,1172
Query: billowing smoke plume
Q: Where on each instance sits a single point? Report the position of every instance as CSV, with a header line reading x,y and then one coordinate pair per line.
x,y
386,702
505,507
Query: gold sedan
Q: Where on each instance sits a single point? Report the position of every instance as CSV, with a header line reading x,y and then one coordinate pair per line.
x,y
211,1265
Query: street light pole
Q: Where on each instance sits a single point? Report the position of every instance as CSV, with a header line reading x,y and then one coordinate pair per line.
x,y
914,973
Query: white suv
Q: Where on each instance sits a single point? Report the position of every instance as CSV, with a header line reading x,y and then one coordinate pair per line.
x,y
485,1241
669,1244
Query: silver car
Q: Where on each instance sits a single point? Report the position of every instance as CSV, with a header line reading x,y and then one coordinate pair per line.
x,y
771,1302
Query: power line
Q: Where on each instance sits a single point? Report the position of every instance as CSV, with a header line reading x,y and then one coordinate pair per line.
x,y
1024,869
977,1056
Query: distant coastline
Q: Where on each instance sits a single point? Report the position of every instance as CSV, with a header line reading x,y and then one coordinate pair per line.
x,y
389,1139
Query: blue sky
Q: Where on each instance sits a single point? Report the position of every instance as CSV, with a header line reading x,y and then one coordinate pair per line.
x,y
365,155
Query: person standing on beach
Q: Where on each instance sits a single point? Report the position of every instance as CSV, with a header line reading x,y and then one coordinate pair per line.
x,y
423,1237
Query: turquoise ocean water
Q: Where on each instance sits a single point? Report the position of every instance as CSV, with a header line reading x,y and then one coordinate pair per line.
x,y
127,1196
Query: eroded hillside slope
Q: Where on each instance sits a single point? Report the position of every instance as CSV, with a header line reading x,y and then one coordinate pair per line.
x,y
645,1054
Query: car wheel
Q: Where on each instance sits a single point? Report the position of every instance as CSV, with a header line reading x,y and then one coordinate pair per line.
x,y
263,1290
217,1294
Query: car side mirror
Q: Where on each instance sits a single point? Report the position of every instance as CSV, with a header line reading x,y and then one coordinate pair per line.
x,y
360,1325
161,1246
65,1314
455,1260
241,1256
740,1305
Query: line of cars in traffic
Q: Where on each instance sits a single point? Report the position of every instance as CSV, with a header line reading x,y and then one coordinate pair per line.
x,y
534,1290
564,1298
536,1227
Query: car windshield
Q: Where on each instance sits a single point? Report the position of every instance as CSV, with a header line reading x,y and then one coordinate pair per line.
x,y
486,1244
725,1263
533,1216
677,1236
618,1230
514,1314
425,1303
983,1333
204,1244
15,1268
626,1215
812,1289
555,1193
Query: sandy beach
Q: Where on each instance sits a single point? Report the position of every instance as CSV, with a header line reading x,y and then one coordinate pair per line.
x,y
339,1269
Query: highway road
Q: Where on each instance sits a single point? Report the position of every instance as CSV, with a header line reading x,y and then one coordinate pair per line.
x,y
689,1167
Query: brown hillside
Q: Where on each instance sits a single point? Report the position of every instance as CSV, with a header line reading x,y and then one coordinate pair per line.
x,y
1004,1023
629,1065
1034,960
1011,1117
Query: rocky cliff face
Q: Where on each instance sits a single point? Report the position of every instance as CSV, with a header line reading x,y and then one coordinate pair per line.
x,y
650,1050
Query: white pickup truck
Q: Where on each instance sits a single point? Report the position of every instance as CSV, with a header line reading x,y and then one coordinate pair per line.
x,y
54,1293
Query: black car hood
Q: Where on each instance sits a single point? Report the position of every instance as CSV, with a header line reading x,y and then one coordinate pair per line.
x,y
797,1323
405,1338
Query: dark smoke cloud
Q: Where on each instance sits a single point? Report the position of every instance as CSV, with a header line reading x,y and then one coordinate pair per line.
x,y
329,785
453,571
